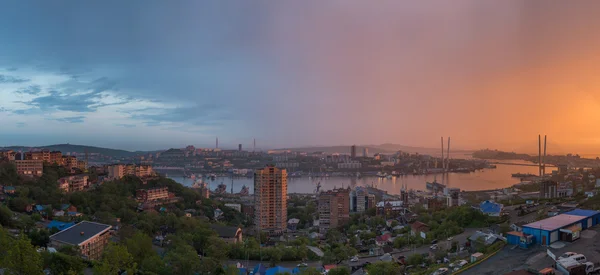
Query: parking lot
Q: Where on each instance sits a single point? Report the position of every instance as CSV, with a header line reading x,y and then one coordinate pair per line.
x,y
510,258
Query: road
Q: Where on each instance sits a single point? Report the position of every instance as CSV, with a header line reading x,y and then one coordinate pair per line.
x,y
460,238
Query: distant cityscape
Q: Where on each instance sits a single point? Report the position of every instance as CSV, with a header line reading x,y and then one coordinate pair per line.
x,y
376,226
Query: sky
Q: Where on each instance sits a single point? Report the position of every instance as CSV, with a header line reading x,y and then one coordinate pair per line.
x,y
144,75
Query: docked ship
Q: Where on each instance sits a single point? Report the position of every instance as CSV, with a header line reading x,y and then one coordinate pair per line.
x,y
199,184
221,189
522,175
245,191
435,186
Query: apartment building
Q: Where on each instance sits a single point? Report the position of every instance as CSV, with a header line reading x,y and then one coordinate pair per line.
x,y
69,162
118,171
270,200
8,154
334,209
74,183
154,194
30,167
91,238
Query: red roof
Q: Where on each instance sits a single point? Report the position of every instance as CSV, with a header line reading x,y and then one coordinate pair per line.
x,y
515,233
383,238
329,267
420,227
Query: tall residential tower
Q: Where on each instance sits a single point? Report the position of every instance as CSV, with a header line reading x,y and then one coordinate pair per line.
x,y
270,200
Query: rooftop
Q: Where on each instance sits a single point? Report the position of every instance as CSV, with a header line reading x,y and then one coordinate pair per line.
x,y
225,231
80,232
555,222
582,212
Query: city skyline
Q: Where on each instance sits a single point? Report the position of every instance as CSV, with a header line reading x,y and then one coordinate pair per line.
x,y
155,76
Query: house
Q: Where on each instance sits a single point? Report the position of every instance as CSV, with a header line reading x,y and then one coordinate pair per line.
x,y
491,208
419,229
383,239
10,190
314,235
485,238
90,237
293,224
229,234
476,257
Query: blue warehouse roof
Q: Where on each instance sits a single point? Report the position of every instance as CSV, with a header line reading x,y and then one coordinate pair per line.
x,y
490,207
583,212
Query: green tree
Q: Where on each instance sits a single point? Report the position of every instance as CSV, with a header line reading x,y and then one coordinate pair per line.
x,y
5,216
183,259
310,271
22,258
384,268
218,249
153,264
5,244
115,259
60,263
231,270
414,259
339,271
139,246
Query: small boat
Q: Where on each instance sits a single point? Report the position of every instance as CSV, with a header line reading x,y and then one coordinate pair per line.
x,y
389,176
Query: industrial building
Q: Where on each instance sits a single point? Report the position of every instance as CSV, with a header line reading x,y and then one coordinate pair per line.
x,y
563,227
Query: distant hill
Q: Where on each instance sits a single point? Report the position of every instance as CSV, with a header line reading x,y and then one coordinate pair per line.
x,y
76,149
339,149
374,149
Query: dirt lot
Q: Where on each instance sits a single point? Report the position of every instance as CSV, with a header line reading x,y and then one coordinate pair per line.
x,y
510,258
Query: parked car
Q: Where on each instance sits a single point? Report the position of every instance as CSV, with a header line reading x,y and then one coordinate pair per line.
x,y
354,259
434,247
441,271
579,257
434,241
450,239
302,265
567,255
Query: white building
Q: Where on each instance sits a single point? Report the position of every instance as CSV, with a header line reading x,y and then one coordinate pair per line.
x,y
349,165
236,206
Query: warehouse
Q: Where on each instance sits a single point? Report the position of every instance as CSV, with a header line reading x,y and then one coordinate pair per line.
x,y
563,227
593,217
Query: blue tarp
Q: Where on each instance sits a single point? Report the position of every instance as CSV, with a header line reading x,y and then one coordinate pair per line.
x,y
59,225
260,268
243,271
277,269
490,207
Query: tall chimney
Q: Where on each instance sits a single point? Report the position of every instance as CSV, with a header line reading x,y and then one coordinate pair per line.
x,y
448,155
544,158
540,154
443,164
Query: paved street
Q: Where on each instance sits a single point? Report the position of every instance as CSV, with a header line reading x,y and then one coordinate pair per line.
x,y
461,239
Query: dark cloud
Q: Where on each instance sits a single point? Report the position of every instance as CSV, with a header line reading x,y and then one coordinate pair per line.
x,y
62,102
72,119
68,96
12,69
206,115
31,90
125,125
21,124
11,79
